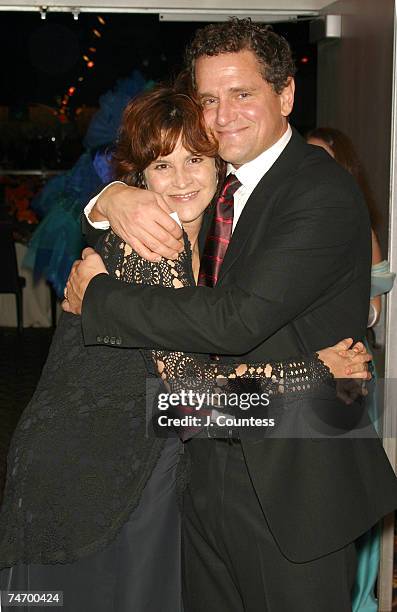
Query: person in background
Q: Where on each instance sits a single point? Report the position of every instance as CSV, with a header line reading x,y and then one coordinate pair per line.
x,y
340,147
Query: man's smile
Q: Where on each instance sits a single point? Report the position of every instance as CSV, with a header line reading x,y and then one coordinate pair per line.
x,y
231,132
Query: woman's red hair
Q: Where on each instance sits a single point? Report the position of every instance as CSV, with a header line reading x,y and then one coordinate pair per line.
x,y
151,125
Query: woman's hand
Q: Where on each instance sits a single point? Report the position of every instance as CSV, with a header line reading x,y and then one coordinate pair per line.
x,y
346,360
82,272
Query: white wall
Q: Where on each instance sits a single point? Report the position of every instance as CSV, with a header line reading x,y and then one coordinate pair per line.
x,y
355,88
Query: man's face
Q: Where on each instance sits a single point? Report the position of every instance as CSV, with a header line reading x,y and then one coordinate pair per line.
x,y
241,108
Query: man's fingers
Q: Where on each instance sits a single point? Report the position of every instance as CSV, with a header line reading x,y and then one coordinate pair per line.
x,y
165,221
163,229
154,238
158,238
151,209
166,245
172,239
143,251
161,248
160,201
144,216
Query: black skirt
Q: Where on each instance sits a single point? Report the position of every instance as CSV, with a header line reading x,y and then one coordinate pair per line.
x,y
140,571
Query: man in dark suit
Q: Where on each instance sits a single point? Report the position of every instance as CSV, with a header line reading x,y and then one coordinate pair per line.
x,y
270,524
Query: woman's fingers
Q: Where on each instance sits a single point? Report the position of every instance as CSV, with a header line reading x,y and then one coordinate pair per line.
x,y
357,366
358,347
352,356
343,345
358,373
87,251
359,357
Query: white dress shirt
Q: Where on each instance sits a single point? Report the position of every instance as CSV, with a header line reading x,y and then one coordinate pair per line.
x,y
251,173
249,176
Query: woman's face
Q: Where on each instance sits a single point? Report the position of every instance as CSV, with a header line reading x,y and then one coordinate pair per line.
x,y
321,143
187,181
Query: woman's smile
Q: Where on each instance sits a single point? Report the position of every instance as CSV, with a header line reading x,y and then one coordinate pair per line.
x,y
184,197
187,181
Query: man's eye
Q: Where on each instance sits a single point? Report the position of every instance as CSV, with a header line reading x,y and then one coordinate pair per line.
x,y
208,101
244,94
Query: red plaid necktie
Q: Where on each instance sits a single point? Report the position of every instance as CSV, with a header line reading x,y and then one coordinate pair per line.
x,y
219,234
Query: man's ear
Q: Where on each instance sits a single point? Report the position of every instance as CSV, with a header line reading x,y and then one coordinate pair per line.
x,y
287,97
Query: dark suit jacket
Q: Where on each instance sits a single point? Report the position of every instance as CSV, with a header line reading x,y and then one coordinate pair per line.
x,y
295,278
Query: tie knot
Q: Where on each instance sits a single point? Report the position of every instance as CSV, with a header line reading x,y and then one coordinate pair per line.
x,y
230,187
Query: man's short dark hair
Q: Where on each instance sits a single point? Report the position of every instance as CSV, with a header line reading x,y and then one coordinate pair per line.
x,y
270,49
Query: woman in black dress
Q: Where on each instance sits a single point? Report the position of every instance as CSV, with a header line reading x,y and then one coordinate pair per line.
x,y
90,504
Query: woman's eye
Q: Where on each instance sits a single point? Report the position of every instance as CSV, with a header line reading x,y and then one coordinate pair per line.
x,y
161,167
196,160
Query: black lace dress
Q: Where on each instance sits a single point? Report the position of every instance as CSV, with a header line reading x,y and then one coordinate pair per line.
x,y
90,503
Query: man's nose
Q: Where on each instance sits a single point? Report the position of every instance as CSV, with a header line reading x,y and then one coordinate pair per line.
x,y
225,113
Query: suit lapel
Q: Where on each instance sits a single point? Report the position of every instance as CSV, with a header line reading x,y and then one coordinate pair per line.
x,y
259,204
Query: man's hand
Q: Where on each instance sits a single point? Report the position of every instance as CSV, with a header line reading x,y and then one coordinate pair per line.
x,y
141,218
83,271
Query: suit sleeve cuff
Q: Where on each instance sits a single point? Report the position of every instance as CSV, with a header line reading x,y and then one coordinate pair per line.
x,y
103,225
96,323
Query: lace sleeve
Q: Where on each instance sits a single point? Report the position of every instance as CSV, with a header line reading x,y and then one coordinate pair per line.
x,y
296,375
127,266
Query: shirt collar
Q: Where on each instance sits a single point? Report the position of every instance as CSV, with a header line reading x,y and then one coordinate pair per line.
x,y
250,174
